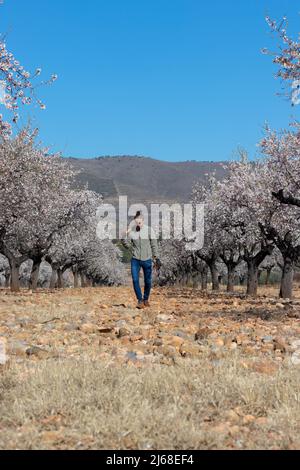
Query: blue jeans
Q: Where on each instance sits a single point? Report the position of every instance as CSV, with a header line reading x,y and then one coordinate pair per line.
x,y
136,266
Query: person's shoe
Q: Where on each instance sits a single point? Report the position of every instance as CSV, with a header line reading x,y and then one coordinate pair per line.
x,y
140,304
146,303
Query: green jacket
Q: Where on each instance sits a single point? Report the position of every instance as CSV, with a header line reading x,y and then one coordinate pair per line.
x,y
143,244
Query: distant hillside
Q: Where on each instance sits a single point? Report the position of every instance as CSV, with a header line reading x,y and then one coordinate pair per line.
x,y
143,179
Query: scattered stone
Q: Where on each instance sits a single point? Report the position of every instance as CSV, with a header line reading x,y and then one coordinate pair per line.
x,y
267,339
71,327
38,352
189,349
43,340
3,355
89,328
295,359
105,329
24,322
180,333
175,341
121,332
131,356
280,344
267,347
162,318
135,338
295,344
248,419
17,347
166,332
234,430
231,415
168,351
233,346
293,314
202,334
219,342
221,428
147,331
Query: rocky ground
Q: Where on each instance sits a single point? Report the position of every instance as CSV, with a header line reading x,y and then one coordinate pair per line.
x,y
236,361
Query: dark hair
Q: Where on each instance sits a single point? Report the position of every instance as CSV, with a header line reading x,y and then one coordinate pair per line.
x,y
138,214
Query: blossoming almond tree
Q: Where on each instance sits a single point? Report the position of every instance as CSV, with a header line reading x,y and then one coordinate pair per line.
x,y
284,149
17,87
222,231
37,202
210,252
4,271
102,263
283,160
287,58
234,209
77,247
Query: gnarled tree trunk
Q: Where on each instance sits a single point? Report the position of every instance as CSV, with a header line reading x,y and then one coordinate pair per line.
x,y
14,275
253,262
204,277
252,279
60,281
214,276
7,278
53,278
14,264
268,275
34,277
196,280
83,280
76,276
230,278
286,285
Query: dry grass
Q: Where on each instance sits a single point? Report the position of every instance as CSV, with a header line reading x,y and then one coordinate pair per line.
x,y
85,404
83,395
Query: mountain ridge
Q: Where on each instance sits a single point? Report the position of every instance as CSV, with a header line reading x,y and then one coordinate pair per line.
x,y
143,179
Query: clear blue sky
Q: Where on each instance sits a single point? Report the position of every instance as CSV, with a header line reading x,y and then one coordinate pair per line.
x,y
171,79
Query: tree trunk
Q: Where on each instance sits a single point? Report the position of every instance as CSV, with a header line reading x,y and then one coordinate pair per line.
x,y
214,277
286,286
7,279
60,282
259,276
53,278
34,277
230,278
83,280
76,277
268,275
14,276
196,280
184,280
252,280
204,278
